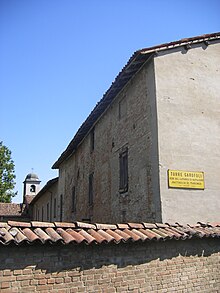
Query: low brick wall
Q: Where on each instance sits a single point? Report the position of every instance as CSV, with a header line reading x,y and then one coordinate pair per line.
x,y
170,266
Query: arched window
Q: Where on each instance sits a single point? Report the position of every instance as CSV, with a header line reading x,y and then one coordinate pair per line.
x,y
32,188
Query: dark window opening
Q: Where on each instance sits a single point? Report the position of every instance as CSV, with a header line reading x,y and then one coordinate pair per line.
x,y
54,207
73,199
91,189
92,140
123,171
48,209
86,220
42,214
32,188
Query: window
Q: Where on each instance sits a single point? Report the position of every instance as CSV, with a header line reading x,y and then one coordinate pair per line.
x,y
48,211
32,188
91,189
123,171
73,199
92,140
42,214
54,207
61,208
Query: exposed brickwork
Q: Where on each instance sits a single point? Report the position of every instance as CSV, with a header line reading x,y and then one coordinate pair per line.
x,y
174,266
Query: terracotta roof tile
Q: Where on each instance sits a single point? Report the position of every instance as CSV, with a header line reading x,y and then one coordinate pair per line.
x,y
31,236
80,232
89,238
135,225
150,235
10,209
55,237
6,237
117,238
149,225
142,236
124,235
64,225
78,238
122,226
105,226
98,237
134,236
85,225
41,224
108,237
160,233
67,237
19,224
44,237
18,235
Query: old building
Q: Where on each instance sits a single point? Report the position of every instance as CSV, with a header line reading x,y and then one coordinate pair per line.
x,y
149,151
46,205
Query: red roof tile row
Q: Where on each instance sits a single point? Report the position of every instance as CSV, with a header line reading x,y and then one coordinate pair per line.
x,y
79,232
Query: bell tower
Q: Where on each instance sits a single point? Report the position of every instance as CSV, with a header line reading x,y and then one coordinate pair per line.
x,y
31,185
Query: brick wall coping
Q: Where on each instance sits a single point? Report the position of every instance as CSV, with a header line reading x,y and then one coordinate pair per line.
x,y
34,232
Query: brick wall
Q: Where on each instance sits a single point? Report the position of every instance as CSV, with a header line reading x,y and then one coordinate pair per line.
x,y
170,266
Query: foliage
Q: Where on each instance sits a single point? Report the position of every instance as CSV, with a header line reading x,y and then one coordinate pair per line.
x,y
7,174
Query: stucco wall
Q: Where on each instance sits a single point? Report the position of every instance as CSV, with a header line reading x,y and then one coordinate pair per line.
x,y
134,128
188,105
47,207
170,266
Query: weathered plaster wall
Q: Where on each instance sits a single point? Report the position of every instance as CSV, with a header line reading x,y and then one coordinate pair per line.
x,y
47,208
188,104
134,128
170,266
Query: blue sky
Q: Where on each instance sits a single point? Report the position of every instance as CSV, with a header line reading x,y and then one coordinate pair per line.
x,y
57,58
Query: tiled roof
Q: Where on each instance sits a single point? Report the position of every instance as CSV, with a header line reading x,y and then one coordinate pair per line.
x,y
10,209
134,64
79,232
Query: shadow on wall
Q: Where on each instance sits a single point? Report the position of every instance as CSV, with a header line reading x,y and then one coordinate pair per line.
x,y
57,258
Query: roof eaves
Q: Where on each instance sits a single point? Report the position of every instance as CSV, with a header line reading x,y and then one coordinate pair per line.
x,y
179,43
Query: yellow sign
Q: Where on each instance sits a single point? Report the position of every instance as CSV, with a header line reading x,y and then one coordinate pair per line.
x,y
186,179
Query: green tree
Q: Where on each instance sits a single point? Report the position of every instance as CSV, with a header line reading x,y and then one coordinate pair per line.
x,y
7,174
